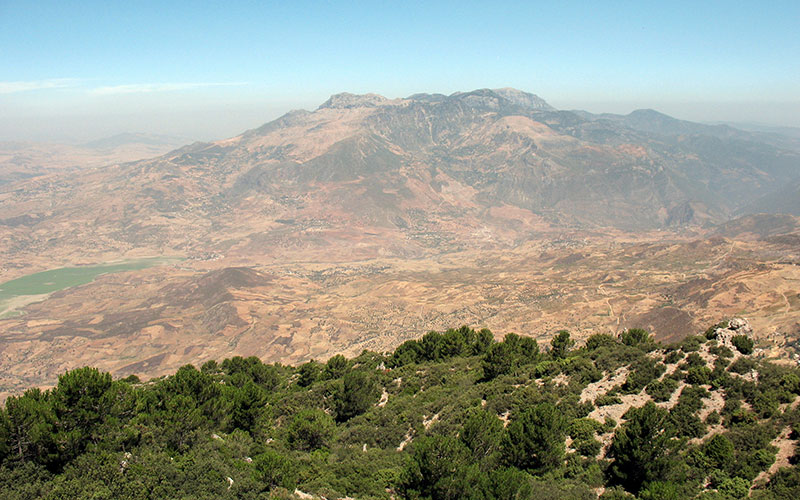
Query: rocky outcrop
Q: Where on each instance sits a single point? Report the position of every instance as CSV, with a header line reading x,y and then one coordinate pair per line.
x,y
345,100
736,326
524,99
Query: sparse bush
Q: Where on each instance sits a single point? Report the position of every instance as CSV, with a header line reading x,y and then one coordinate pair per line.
x,y
310,430
635,337
711,333
662,390
561,344
713,418
606,400
692,343
742,366
673,357
743,344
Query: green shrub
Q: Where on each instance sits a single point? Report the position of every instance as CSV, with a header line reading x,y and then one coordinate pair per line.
x,y
309,373
662,390
673,357
499,360
711,333
432,469
336,367
743,344
583,431
713,418
784,485
534,441
641,448
357,393
693,360
692,343
561,344
310,430
721,352
272,469
606,400
719,451
643,372
598,340
742,366
735,487
698,375
635,337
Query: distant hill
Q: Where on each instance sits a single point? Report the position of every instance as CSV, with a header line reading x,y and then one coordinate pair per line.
x,y
26,160
135,138
784,200
760,225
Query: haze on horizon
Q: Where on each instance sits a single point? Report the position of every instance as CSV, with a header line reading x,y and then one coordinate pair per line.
x,y
206,70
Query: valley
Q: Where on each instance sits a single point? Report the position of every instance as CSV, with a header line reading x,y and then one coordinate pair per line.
x,y
152,321
370,221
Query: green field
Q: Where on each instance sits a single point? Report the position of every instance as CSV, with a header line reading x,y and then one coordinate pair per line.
x,y
65,277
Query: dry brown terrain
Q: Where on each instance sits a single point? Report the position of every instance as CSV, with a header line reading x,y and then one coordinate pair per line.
x,y
369,221
150,322
23,160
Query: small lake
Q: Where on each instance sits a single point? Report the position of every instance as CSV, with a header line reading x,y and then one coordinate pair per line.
x,y
54,280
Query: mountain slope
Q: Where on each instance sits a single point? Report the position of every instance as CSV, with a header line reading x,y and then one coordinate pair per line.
x,y
422,172
451,413
784,200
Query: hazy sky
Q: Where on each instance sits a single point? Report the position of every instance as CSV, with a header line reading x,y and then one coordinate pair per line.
x,y
81,70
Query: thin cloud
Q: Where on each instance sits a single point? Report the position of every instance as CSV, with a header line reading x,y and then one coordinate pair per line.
x,y
27,86
140,88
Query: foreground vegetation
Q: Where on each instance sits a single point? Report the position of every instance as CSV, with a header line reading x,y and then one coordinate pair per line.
x,y
453,415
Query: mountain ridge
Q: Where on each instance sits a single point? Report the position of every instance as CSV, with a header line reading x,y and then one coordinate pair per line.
x,y
424,170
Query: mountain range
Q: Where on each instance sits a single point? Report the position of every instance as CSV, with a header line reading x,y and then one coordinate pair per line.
x,y
354,225
429,172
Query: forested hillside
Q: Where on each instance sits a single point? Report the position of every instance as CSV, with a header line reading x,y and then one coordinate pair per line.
x,y
452,415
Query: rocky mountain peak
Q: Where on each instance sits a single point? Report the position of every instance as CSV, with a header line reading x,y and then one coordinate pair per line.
x,y
346,100
502,98
524,99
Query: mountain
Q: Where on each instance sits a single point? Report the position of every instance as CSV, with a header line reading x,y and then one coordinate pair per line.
x,y
359,224
425,173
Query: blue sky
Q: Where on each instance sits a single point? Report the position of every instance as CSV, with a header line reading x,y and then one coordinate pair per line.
x,y
77,70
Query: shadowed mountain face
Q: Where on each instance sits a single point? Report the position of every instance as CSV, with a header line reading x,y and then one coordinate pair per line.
x,y
784,200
